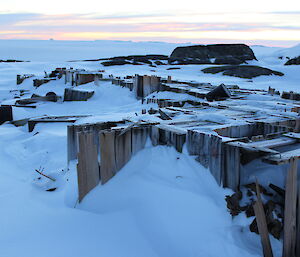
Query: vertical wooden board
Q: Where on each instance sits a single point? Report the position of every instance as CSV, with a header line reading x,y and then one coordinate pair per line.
x,y
262,225
215,158
204,154
139,137
154,135
290,211
93,175
146,85
123,149
154,80
81,168
232,167
107,156
72,151
298,225
179,141
87,167
193,142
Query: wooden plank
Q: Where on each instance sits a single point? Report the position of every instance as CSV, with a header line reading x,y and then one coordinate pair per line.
x,y
282,158
262,224
272,143
122,148
290,211
139,137
88,166
298,225
215,163
107,155
231,174
293,135
251,148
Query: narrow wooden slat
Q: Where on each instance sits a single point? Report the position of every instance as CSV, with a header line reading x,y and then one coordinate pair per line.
x,y
290,211
139,137
298,225
262,224
123,149
107,156
88,166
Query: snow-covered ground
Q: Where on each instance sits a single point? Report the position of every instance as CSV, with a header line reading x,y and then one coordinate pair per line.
x,y
161,203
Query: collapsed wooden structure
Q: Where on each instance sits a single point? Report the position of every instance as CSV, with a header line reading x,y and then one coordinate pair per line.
x,y
222,135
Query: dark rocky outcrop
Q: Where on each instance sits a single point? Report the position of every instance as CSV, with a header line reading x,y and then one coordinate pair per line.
x,y
136,60
242,71
294,61
212,54
10,60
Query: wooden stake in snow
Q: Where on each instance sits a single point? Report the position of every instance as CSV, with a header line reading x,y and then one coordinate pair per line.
x,y
262,224
290,211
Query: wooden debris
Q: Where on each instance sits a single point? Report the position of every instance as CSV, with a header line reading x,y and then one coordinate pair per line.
x,y
163,115
77,95
262,224
6,113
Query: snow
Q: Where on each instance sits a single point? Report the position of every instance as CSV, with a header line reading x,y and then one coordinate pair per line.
x,y
162,203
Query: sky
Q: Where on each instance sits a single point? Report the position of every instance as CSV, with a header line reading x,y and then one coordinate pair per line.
x,y
273,23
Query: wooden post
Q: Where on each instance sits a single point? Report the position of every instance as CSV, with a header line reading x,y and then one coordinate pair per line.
x,y
88,166
290,211
262,224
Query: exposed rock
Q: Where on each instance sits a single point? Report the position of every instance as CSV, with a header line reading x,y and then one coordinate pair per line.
x,y
9,60
115,62
242,71
208,54
174,68
294,61
135,60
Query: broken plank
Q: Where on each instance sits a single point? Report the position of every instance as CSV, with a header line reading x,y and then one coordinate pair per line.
x,y
262,224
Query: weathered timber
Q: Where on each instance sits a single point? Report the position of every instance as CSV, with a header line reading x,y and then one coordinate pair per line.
x,y
51,119
123,148
77,95
282,158
107,155
262,224
216,160
6,113
231,173
21,78
139,137
88,166
298,224
94,128
163,115
219,93
290,211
